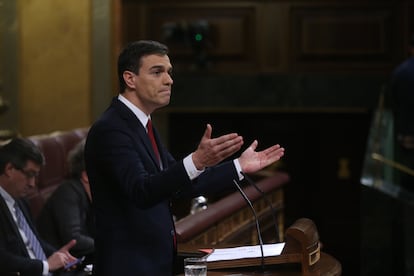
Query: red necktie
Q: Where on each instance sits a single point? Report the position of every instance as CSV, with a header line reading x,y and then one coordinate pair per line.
x,y
152,139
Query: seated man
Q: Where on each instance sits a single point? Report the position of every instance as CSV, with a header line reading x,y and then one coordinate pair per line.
x,y
22,252
68,214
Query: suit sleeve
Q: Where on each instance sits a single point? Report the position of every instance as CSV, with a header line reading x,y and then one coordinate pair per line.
x,y
67,207
10,263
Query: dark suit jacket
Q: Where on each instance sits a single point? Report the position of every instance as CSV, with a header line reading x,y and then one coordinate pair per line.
x,y
131,195
13,253
67,215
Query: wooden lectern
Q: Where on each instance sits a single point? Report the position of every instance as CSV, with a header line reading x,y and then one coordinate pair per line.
x,y
302,248
229,222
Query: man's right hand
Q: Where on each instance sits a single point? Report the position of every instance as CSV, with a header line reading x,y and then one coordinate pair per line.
x,y
212,151
61,257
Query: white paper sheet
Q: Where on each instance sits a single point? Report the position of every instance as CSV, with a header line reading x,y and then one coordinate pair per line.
x,y
234,253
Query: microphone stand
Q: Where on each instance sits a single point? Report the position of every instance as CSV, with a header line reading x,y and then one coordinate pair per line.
x,y
265,197
259,235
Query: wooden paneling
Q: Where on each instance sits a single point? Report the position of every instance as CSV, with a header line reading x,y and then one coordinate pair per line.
x,y
229,35
328,33
279,36
229,38
54,65
342,36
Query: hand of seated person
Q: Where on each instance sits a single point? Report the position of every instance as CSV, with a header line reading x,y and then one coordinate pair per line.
x,y
61,257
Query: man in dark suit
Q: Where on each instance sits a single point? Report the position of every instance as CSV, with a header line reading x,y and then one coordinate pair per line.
x,y
21,250
133,177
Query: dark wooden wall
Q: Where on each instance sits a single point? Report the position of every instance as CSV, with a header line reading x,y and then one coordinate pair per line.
x,y
280,36
306,74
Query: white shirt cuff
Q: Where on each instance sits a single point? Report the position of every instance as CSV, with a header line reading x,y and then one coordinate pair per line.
x,y
238,168
194,173
191,168
45,268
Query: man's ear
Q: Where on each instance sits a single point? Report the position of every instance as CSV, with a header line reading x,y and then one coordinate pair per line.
x,y
8,168
129,79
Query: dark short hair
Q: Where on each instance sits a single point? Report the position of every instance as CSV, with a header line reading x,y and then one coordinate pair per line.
x,y
76,159
130,57
18,152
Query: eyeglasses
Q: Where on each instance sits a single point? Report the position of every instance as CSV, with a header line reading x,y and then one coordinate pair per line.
x,y
28,173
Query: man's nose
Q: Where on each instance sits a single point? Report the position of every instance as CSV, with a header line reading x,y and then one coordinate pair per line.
x,y
32,182
169,79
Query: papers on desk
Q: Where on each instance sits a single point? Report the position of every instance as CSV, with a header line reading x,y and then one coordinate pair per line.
x,y
244,252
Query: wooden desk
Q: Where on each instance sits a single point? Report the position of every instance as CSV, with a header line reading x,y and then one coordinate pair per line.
x,y
327,265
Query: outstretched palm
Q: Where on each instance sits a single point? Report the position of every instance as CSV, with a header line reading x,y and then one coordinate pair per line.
x,y
252,161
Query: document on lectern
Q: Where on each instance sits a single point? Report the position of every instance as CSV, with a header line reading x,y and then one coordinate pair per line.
x,y
245,252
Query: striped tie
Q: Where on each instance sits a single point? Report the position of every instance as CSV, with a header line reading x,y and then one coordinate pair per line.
x,y
33,242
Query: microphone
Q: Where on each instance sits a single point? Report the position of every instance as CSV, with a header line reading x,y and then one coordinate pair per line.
x,y
268,202
259,235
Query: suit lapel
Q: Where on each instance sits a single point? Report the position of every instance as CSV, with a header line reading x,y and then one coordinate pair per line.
x,y
4,209
136,127
8,218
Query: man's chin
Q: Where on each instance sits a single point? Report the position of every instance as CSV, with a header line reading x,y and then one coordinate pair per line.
x,y
165,103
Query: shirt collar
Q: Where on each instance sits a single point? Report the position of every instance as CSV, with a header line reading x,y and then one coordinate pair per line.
x,y
7,197
142,117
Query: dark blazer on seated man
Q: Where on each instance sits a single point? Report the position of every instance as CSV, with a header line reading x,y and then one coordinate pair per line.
x,y
13,252
22,252
67,213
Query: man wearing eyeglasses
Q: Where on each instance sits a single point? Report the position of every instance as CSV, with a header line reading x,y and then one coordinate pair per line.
x,y
21,251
